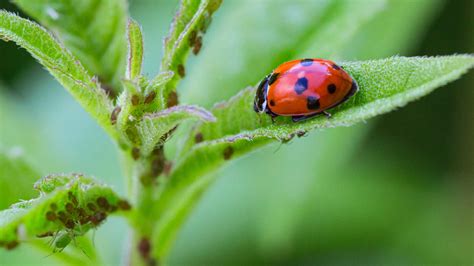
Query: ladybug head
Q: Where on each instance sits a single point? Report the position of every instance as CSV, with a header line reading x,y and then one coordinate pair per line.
x,y
260,102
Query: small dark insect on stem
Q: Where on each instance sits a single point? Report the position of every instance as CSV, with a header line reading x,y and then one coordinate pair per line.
x,y
150,97
114,115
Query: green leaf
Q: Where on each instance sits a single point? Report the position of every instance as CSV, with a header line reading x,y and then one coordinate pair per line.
x,y
135,50
94,30
384,86
73,204
154,127
17,176
188,27
61,64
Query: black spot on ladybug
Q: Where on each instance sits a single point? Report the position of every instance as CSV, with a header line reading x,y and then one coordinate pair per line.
x,y
336,67
312,103
331,88
301,85
272,103
228,153
306,62
198,137
273,77
150,97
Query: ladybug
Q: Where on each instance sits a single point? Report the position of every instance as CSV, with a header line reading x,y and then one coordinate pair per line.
x,y
303,89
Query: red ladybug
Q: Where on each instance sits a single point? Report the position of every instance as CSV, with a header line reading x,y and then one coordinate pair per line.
x,y
304,88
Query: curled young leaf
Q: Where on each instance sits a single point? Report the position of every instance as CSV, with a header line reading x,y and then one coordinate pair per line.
x,y
154,128
135,50
189,25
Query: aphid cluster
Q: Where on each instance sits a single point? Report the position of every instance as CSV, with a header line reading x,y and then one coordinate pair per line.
x,y
75,218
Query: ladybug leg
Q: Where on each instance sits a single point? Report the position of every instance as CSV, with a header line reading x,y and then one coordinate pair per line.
x,y
299,118
272,115
328,115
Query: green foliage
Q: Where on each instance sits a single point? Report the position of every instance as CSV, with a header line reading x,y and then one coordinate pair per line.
x,y
145,114
60,63
135,50
384,86
73,204
93,30
15,167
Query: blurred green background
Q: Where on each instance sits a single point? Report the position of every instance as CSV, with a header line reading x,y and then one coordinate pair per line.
x,y
396,190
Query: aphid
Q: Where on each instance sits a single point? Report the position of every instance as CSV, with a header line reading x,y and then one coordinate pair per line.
x,y
172,99
135,153
228,152
69,208
114,115
135,100
150,97
103,203
181,70
304,88
124,205
62,240
51,216
198,137
197,45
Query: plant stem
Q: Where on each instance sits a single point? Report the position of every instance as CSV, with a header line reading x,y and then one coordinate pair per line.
x,y
142,188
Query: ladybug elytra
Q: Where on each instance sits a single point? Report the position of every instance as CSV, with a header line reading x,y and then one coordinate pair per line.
x,y
303,89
